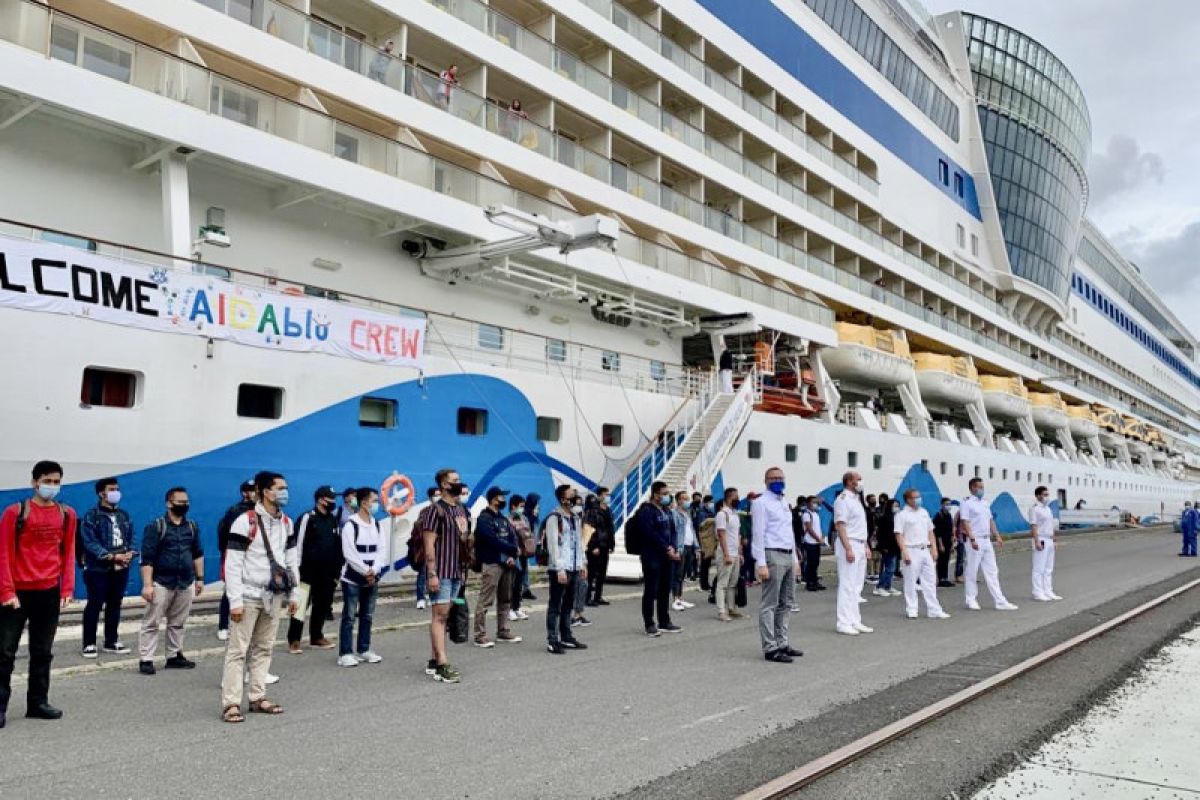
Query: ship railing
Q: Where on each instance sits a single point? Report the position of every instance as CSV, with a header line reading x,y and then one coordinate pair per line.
x,y
327,42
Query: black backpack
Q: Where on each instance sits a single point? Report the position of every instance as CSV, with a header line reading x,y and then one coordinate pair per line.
x,y
635,537
541,552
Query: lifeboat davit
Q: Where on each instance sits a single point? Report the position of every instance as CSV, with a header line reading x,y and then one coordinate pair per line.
x,y
946,380
1004,397
1049,410
869,356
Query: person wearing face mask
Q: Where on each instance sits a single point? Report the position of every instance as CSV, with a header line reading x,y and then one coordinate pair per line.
x,y
685,545
525,544
979,528
943,532
445,528
578,620
885,544
106,533
774,545
533,515
914,537
728,556
365,550
227,519
172,574
562,530
601,546
497,549
852,554
812,540
319,549
37,578
259,541
1042,529
656,531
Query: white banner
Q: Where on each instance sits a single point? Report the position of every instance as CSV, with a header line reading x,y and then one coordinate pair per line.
x,y
38,276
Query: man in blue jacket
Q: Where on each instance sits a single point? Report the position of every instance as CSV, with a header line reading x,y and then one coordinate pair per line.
x,y
657,526
496,550
172,575
106,533
1189,524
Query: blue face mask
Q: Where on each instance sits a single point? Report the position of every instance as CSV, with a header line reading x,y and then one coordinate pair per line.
x,y
113,496
665,500
281,497
978,493
47,491
777,487
918,502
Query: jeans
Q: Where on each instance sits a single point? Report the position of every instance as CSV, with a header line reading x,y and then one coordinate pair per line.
x,y
520,577
597,566
320,597
421,593
357,601
40,609
690,562
778,593
677,577
812,561
887,570
960,559
558,610
105,590
656,590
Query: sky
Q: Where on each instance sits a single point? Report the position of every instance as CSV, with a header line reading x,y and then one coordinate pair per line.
x,y
1138,62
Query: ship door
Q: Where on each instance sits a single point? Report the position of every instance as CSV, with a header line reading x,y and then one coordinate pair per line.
x,y
1062,498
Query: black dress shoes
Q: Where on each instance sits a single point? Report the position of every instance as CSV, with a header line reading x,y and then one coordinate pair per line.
x,y
43,711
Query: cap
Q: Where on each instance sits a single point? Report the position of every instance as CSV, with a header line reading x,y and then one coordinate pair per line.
x,y
247,486
349,490
325,492
495,492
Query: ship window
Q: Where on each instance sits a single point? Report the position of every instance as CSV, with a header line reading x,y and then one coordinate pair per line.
x,y
978,471
974,245
942,469
960,470
98,55
960,235
556,350
345,147
472,421
259,402
959,188
823,455
991,472
1028,476
924,464
1004,474
611,435
790,452
610,361
851,459
69,240
108,387
944,172
658,370
1040,477
377,412
877,461
753,449
549,429
491,337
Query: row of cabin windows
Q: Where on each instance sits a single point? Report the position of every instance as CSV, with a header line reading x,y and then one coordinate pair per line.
x,y
491,337
117,389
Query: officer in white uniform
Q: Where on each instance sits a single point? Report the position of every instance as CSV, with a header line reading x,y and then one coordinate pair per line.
x,y
980,528
853,555
1042,528
918,548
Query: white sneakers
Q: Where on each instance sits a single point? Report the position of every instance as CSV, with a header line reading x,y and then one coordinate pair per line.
x,y
862,599
1041,598
847,631
347,660
881,592
858,626
512,616
522,615
910,614
223,634
1006,606
1053,596
371,657
895,592
422,604
974,606
678,606
940,615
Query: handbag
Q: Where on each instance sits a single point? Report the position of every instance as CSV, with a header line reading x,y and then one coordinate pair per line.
x,y
459,624
281,581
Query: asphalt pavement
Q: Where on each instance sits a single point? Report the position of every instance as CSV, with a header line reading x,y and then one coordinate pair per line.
x,y
627,712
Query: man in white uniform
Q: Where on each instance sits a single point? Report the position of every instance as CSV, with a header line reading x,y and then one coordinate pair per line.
x,y
1042,528
979,528
853,554
918,548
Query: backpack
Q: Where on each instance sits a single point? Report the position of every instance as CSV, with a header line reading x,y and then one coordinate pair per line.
x,y
23,514
708,537
635,537
541,553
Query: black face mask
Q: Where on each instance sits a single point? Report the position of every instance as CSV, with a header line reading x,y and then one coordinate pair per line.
x,y
454,489
180,509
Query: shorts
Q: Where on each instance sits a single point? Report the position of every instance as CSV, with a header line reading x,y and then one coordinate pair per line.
x,y
448,589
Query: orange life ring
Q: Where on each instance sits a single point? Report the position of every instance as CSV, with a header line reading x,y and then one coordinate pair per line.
x,y
397,509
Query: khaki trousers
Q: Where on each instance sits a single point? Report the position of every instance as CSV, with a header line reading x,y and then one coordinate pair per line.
x,y
175,605
495,584
727,578
250,640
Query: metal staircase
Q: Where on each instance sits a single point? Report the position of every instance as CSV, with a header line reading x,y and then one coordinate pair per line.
x,y
686,454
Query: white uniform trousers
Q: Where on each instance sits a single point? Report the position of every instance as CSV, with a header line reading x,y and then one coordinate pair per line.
x,y
984,558
850,583
922,567
1043,569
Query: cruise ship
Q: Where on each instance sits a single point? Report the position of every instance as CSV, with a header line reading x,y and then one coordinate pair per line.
x,y
353,239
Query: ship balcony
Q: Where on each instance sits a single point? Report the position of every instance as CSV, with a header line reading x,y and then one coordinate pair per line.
x,y
1004,396
1049,410
948,380
867,356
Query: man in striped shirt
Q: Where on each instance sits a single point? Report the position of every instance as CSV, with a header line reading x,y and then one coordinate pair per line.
x,y
445,528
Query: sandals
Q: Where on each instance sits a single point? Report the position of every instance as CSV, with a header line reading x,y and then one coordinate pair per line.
x,y
232,714
265,706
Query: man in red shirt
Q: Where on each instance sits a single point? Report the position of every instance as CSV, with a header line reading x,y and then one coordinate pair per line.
x,y
37,579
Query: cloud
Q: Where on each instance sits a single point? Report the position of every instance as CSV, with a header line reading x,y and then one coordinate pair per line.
x,y
1122,168
1168,263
